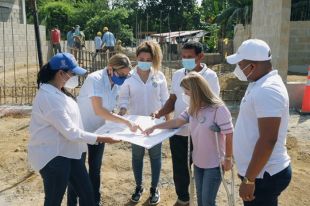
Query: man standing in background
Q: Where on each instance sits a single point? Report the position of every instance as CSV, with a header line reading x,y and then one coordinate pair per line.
x,y
108,40
55,40
70,40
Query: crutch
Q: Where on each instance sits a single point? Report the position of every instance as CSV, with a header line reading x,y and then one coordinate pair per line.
x,y
191,176
230,194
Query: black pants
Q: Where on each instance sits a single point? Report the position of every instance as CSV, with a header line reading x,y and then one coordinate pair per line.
x,y
178,147
58,173
95,154
56,48
268,189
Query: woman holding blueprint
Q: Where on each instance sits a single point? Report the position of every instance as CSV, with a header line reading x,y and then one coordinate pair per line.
x,y
204,112
144,93
96,101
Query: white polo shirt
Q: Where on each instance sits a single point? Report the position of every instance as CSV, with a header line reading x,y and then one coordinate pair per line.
x,y
141,98
97,84
56,128
176,89
266,97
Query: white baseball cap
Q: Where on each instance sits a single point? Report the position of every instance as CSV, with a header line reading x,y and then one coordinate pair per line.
x,y
251,49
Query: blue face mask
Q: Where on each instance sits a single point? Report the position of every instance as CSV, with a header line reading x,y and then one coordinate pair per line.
x,y
118,80
189,64
144,66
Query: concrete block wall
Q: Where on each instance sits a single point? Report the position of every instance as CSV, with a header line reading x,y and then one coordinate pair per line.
x,y
271,23
241,33
299,47
23,37
11,10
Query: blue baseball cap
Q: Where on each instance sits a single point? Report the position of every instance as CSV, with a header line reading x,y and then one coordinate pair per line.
x,y
66,61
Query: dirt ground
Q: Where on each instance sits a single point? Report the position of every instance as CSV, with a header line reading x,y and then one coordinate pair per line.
x,y
20,186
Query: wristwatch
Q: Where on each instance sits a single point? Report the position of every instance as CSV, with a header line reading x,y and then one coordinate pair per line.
x,y
247,181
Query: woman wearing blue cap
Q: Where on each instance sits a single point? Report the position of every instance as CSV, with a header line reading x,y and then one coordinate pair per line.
x,y
97,99
57,139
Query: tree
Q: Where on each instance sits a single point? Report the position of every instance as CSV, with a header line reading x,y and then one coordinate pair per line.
x,y
113,19
56,13
236,12
212,8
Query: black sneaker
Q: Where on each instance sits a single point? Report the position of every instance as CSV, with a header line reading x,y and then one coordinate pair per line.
x,y
137,195
154,196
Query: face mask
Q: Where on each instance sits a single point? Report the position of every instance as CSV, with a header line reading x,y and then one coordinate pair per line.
x,y
239,73
144,66
72,82
189,64
186,99
118,80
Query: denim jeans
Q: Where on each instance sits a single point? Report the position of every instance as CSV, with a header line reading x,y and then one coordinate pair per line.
x,y
208,182
268,189
58,173
178,147
137,163
95,154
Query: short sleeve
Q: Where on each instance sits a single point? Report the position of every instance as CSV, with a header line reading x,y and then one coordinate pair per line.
x,y
164,94
269,103
124,95
224,120
173,83
213,83
95,87
184,115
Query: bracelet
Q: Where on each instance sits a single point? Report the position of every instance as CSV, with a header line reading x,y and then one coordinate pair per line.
x,y
229,158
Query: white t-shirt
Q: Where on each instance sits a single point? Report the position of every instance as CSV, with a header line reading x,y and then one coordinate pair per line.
x,y
56,128
176,89
266,97
144,98
97,84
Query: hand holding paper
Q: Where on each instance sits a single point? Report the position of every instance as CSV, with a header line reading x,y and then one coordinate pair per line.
x,y
118,131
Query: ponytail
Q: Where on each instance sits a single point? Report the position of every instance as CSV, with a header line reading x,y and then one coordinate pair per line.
x,y
45,75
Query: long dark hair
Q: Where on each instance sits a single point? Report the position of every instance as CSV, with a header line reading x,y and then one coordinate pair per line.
x,y
46,74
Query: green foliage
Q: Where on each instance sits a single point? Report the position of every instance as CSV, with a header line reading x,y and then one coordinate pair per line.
x,y
113,19
56,13
212,40
237,12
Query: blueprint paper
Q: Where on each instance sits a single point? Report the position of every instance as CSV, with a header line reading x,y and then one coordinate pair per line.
x,y
122,132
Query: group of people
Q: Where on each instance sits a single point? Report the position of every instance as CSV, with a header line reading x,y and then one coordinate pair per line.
x,y
75,39
62,127
106,41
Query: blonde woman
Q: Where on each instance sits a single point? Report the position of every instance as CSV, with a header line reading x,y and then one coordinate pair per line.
x,y
205,109
144,93
97,100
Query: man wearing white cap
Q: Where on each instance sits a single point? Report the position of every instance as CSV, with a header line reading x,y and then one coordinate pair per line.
x,y
261,128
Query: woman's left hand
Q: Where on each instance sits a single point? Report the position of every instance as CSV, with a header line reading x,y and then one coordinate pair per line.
x,y
227,164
